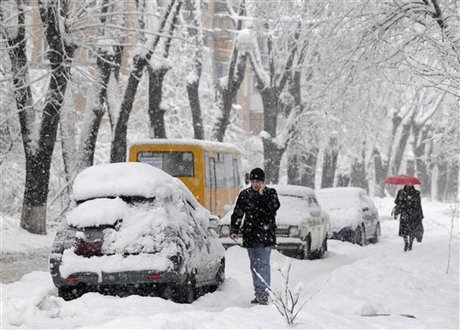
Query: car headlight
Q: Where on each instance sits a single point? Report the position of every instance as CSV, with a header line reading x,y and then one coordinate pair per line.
x,y
294,231
224,230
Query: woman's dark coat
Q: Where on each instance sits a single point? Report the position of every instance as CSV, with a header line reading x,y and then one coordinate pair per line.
x,y
409,205
259,212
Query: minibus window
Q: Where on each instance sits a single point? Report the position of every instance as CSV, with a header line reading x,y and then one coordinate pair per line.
x,y
175,163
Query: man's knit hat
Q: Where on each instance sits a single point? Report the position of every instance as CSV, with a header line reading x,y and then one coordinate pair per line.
x,y
257,174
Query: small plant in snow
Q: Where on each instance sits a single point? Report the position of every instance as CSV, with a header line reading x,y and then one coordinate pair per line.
x,y
287,301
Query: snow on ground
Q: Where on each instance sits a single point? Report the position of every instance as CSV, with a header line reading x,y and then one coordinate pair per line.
x,y
342,290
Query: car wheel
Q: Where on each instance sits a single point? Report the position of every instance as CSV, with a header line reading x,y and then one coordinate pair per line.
x,y
306,251
323,249
360,236
185,293
70,293
220,276
378,233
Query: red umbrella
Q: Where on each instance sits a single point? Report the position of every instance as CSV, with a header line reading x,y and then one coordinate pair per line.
x,y
401,179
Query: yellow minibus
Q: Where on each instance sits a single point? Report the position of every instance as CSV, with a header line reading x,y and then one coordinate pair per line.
x,y
211,170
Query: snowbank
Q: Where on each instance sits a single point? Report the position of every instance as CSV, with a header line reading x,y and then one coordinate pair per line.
x,y
344,290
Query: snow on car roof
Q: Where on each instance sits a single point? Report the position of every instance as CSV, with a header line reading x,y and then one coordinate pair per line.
x,y
124,179
347,197
293,190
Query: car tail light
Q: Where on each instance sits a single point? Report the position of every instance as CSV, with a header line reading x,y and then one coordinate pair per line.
x,y
72,279
154,276
88,249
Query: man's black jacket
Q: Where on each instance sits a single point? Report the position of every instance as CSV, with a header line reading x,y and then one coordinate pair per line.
x,y
259,212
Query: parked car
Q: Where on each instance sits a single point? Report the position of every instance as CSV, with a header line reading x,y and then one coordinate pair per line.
x,y
135,230
302,227
352,213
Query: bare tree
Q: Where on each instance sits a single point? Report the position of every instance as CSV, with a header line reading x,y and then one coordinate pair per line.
x,y
139,63
272,70
108,52
195,32
39,134
156,79
235,74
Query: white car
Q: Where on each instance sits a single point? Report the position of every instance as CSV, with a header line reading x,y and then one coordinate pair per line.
x,y
302,227
353,214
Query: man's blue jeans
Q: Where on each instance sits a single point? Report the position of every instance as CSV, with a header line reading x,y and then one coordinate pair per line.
x,y
259,258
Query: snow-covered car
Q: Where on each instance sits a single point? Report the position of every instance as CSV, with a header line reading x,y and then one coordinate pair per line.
x,y
135,230
352,213
301,225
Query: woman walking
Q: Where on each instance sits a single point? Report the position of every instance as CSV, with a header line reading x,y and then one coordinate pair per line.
x,y
409,206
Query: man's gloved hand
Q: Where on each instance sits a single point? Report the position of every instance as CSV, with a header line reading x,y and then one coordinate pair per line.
x,y
262,188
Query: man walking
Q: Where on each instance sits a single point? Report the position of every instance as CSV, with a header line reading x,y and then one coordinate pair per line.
x,y
258,205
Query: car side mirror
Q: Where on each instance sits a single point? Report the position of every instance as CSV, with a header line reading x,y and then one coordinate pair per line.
x,y
213,222
246,178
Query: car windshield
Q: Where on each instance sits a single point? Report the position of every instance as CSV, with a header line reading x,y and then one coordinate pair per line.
x,y
292,210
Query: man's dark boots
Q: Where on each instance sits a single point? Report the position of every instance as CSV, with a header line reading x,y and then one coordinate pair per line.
x,y
260,298
263,298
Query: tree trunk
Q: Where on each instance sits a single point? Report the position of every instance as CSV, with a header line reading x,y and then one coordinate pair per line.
x,y
442,180
293,171
302,167
67,130
235,76
329,164
156,113
358,175
93,118
33,217
272,161
308,172
450,192
343,180
224,119
397,159
194,99
272,152
39,152
380,170
118,148
421,163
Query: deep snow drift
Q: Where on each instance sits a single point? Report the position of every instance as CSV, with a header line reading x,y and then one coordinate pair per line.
x,y
342,290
